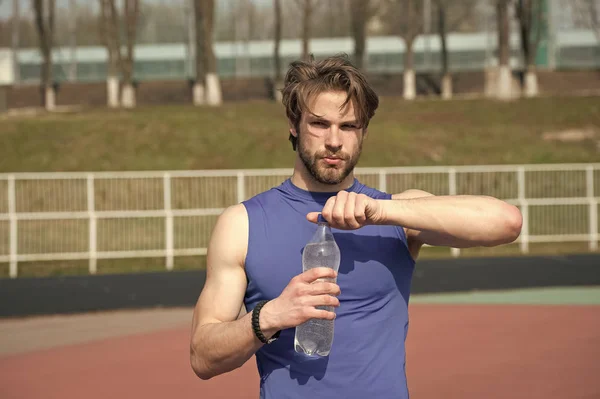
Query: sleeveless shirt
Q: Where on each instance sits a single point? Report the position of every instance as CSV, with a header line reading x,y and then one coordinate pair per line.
x,y
367,358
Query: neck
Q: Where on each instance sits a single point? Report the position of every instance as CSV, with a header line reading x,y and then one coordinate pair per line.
x,y
302,178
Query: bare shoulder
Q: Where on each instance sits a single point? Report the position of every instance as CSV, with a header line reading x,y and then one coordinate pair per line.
x,y
222,296
229,238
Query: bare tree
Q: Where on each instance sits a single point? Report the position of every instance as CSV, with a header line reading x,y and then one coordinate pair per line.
x,y
213,85
110,29
408,24
504,82
530,16
588,12
131,14
277,79
361,11
200,74
447,24
15,40
594,13
110,38
308,8
72,25
44,20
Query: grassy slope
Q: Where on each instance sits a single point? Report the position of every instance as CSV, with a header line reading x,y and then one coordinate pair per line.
x,y
254,135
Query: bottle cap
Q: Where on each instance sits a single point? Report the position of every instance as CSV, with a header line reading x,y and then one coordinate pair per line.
x,y
321,219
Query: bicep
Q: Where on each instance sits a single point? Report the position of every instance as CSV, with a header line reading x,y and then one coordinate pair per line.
x,y
222,296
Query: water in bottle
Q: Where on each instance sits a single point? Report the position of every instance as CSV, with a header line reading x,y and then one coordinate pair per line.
x,y
315,336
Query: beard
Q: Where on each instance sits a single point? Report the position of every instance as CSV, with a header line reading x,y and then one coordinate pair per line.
x,y
324,173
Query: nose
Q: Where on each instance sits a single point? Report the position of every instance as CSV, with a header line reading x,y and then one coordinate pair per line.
x,y
333,140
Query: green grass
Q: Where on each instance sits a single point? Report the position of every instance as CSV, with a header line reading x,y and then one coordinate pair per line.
x,y
254,135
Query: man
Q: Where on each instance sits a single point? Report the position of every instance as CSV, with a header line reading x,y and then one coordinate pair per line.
x,y
255,254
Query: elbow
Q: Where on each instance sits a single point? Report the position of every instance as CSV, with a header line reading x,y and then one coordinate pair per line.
x,y
199,364
513,223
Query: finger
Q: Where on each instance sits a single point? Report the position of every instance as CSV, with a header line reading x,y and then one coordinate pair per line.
x,y
349,212
312,313
337,214
328,209
313,217
322,300
316,273
319,288
360,209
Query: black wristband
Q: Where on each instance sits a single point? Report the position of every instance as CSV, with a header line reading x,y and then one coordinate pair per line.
x,y
256,324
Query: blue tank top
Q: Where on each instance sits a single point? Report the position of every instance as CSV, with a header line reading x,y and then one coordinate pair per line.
x,y
367,358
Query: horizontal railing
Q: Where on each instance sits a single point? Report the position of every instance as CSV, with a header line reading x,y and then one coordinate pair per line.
x,y
124,215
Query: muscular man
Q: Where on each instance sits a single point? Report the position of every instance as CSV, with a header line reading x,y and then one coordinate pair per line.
x,y
255,254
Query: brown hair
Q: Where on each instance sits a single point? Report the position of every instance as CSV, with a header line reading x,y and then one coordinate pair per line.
x,y
306,79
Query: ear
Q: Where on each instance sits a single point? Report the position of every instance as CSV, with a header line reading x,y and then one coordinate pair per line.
x,y
365,133
293,131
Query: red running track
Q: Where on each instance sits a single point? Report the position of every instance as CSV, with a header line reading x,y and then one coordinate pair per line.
x,y
464,351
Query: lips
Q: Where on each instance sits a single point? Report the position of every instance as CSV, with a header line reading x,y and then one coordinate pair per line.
x,y
332,160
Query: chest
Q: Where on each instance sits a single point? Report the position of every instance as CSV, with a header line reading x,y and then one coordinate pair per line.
x,y
374,261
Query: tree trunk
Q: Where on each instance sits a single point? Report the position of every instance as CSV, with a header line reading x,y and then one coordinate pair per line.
x,y
531,82
446,77
359,13
112,90
15,42
213,85
592,11
410,89
529,45
44,18
73,40
109,27
504,75
306,29
198,92
277,80
128,99
503,33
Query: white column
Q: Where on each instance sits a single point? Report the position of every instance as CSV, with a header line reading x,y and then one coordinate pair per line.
x,y
93,229
452,191
12,214
382,180
593,213
241,187
524,209
168,220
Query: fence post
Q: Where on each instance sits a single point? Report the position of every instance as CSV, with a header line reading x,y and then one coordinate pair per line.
x,y
12,215
168,220
593,208
382,180
524,209
241,187
93,235
452,191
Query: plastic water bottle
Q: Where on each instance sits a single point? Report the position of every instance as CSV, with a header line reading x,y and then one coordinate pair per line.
x,y
315,336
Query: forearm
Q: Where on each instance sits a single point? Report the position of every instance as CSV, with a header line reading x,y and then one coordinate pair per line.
x,y
224,346
456,220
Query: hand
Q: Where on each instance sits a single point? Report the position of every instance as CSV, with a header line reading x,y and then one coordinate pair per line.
x,y
348,211
299,299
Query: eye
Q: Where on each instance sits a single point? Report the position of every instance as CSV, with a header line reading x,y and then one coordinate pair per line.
x,y
350,127
319,124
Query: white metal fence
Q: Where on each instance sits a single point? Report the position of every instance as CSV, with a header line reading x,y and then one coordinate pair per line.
x,y
119,215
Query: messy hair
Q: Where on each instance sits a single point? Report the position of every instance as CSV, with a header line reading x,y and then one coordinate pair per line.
x,y
305,80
